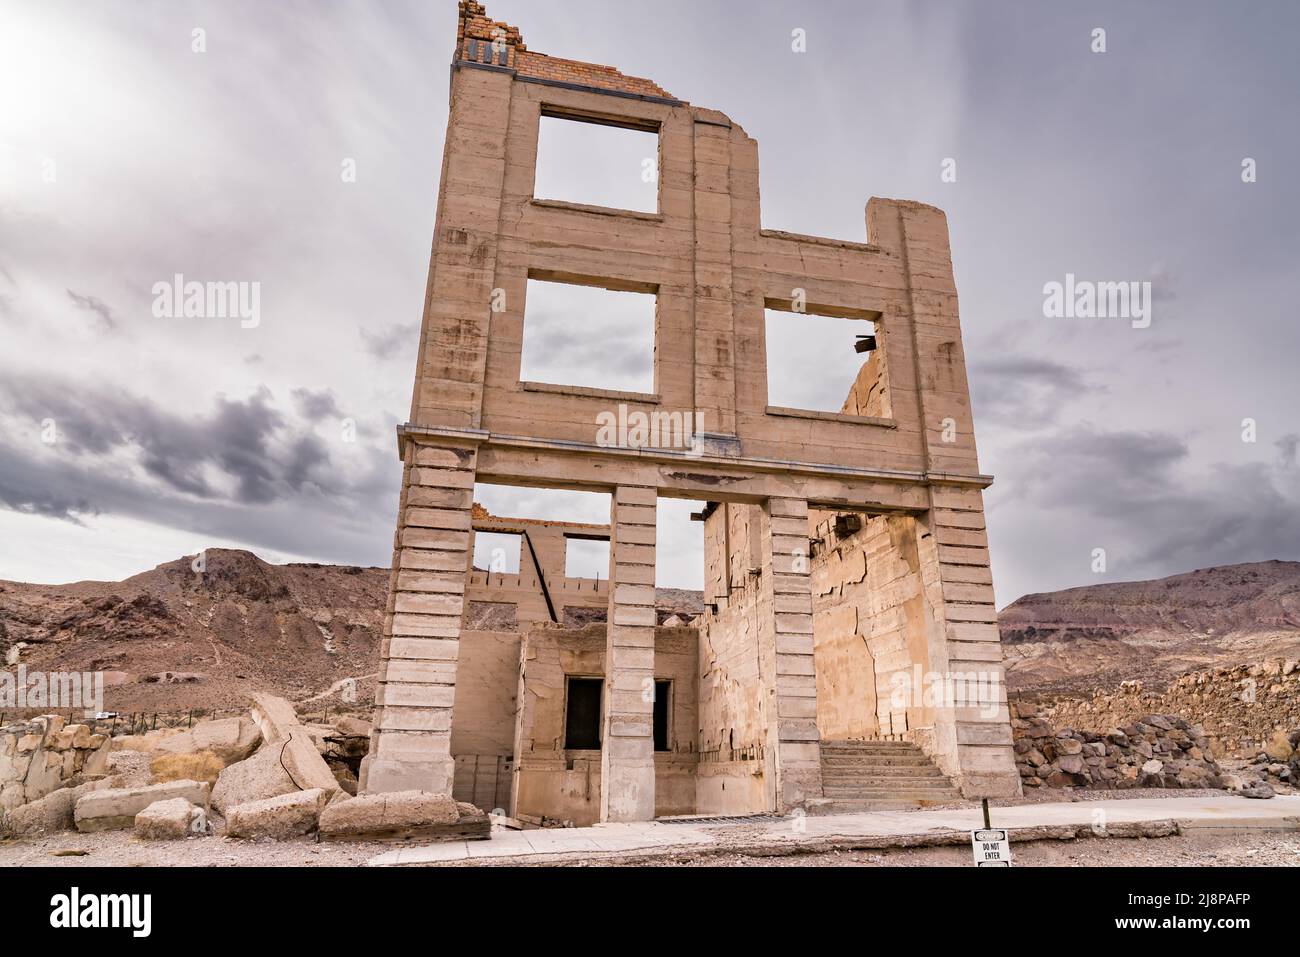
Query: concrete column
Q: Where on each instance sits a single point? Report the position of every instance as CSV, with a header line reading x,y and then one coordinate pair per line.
x,y
627,780
714,307
972,733
410,745
787,653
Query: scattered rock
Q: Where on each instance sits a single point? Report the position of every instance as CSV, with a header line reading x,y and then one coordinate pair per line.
x,y
1258,790
50,814
1157,751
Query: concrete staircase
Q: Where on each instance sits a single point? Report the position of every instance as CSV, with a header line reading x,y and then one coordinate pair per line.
x,y
881,775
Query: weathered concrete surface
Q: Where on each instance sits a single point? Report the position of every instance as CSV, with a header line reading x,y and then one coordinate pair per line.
x,y
280,729
45,754
288,760
117,807
277,818
50,814
900,451
1058,821
402,815
170,820
230,739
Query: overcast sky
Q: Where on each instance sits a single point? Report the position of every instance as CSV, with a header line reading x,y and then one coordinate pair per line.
x,y
126,157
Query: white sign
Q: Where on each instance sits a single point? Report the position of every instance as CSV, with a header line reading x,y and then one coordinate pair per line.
x,y
992,847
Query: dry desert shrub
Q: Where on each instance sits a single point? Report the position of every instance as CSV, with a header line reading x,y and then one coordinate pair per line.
x,y
197,766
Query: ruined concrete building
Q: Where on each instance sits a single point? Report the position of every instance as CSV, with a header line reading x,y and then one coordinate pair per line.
x,y
848,606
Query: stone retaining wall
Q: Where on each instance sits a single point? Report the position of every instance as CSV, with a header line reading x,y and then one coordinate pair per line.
x,y
45,754
1156,751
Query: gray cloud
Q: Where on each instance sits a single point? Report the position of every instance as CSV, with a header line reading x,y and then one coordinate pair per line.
x,y
1099,435
1024,392
1134,494
392,341
315,406
97,306
245,451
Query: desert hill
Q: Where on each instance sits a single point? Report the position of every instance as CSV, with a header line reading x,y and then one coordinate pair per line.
x,y
186,635
1096,636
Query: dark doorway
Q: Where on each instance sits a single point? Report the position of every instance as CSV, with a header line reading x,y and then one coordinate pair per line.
x,y
663,703
582,714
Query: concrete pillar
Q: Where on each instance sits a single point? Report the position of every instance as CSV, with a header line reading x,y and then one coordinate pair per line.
x,y
715,330
627,780
410,744
972,733
787,653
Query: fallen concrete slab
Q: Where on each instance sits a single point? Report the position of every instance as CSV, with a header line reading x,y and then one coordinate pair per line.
x,y
280,728
403,815
230,739
277,818
117,807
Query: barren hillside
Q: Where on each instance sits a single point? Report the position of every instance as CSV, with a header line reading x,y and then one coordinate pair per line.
x,y
1093,637
174,638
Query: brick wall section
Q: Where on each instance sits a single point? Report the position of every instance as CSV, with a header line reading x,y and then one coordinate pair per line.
x,y
411,740
477,34
627,756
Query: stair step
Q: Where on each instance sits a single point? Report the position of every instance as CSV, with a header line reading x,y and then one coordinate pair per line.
x,y
852,805
890,783
890,774
849,763
879,774
893,795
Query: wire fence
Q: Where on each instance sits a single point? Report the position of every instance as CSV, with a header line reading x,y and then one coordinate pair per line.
x,y
142,722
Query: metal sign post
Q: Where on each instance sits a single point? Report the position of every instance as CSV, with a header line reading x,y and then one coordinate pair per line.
x,y
991,846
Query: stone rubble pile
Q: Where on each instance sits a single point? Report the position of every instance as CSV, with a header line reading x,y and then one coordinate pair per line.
x,y
45,754
1240,707
1156,751
275,779
1277,764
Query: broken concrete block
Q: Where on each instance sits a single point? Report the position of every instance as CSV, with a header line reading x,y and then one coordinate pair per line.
x,y
277,818
230,739
260,777
274,717
403,815
116,808
170,820
50,814
289,764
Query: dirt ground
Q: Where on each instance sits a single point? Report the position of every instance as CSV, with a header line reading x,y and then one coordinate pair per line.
x,y
1196,848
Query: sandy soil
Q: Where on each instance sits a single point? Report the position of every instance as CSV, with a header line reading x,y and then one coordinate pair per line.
x,y
1195,849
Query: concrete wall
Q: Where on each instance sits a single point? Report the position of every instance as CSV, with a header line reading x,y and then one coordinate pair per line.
x,y
553,782
871,627
498,607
